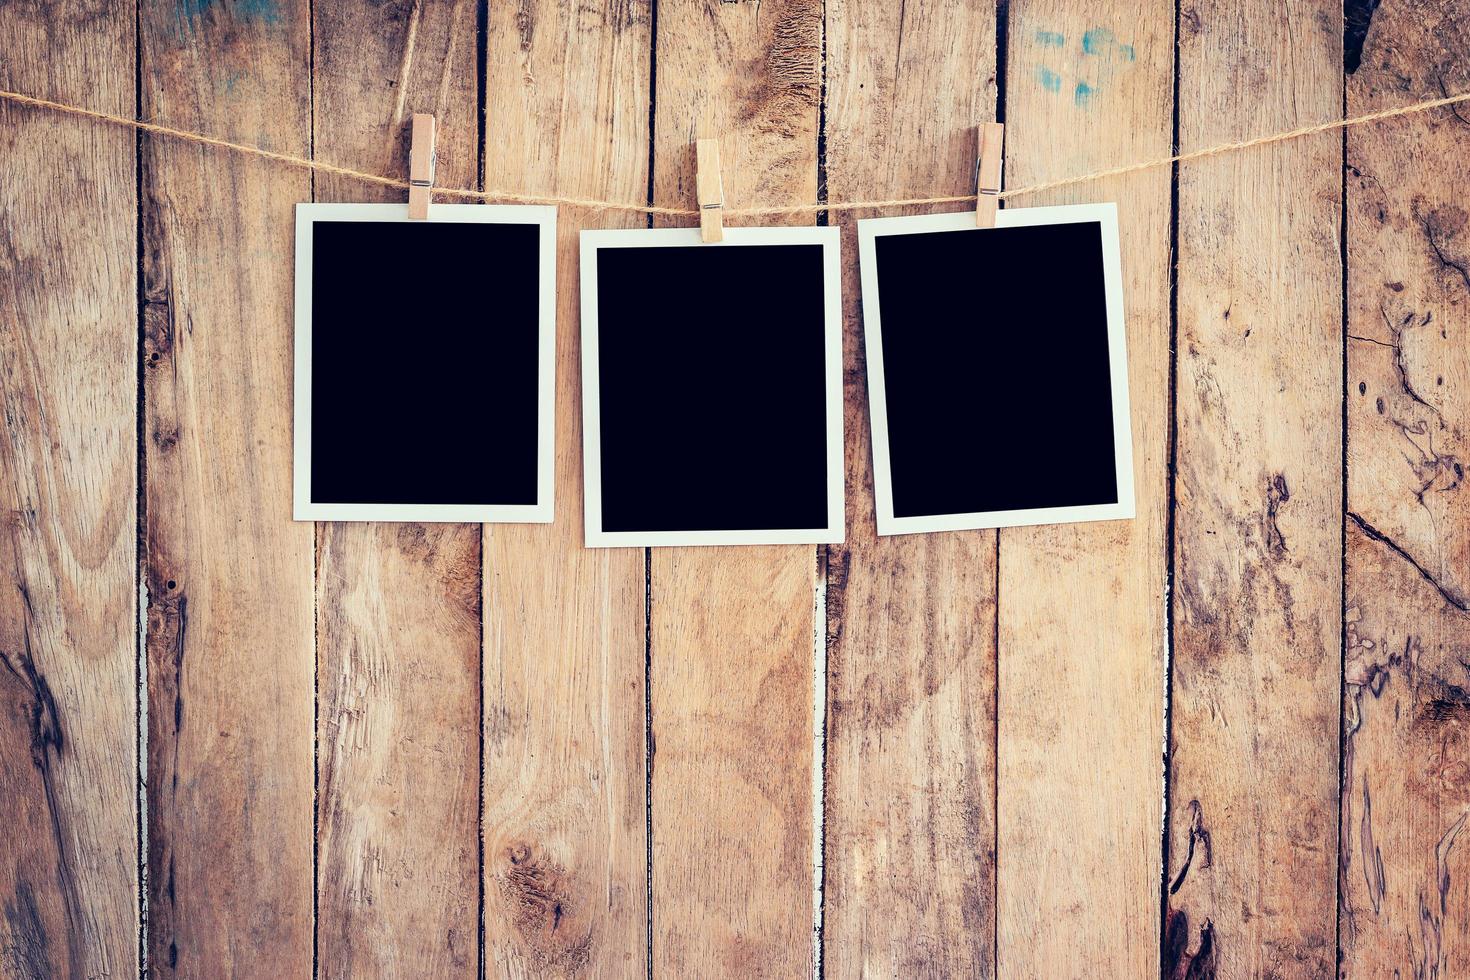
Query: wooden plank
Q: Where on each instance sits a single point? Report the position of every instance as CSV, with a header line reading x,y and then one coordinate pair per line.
x,y
68,487
398,605
1405,796
1257,607
1081,630
398,808
909,857
732,628
565,815
229,575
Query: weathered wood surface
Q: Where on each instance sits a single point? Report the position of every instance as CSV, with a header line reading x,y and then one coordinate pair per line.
x,y
398,605
1405,875
990,771
565,829
68,491
1253,774
910,731
1081,606
228,574
732,629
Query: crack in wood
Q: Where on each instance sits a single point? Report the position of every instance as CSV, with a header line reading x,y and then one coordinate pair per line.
x,y
1198,835
1373,533
48,744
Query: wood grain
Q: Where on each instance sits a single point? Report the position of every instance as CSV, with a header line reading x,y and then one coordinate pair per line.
x,y
398,605
398,801
229,575
1082,607
1267,858
1257,606
565,815
1406,714
732,628
910,808
68,491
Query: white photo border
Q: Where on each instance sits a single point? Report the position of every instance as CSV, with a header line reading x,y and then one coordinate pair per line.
x,y
543,510
1106,216
829,238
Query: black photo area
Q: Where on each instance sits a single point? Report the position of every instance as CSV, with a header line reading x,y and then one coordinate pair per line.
x,y
995,364
711,373
424,362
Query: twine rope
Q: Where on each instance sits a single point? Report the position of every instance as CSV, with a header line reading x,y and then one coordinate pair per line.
x,y
595,204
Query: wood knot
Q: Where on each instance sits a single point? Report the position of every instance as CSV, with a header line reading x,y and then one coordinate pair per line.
x,y
539,894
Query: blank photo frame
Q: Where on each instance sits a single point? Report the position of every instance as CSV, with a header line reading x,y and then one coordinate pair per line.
x,y
997,369
712,387
424,363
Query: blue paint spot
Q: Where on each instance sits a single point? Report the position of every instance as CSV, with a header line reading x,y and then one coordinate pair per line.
x,y
1049,79
1050,39
1101,42
1097,41
265,10
188,11
1082,94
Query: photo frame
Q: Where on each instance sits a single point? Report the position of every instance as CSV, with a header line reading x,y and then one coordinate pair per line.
x,y
400,415
939,324
753,317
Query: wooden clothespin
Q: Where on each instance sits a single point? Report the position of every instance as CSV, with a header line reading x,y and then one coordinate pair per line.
x,y
988,174
710,188
422,159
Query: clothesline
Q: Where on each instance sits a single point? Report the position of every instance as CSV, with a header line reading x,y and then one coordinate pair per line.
x,y
596,204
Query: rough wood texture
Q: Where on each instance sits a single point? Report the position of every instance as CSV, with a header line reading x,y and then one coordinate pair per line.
x,y
1267,859
398,804
1257,605
398,605
68,487
1081,606
229,575
1405,879
910,807
732,629
566,872
1406,788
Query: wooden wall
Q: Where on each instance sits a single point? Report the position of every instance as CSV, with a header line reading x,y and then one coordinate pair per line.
x,y
1227,738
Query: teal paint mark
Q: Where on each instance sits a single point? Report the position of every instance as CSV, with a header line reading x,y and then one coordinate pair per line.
x,y
1102,42
1050,39
1049,79
190,11
1083,94
1097,41
265,10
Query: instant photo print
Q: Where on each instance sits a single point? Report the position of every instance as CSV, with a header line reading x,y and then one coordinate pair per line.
x,y
712,387
997,370
424,363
